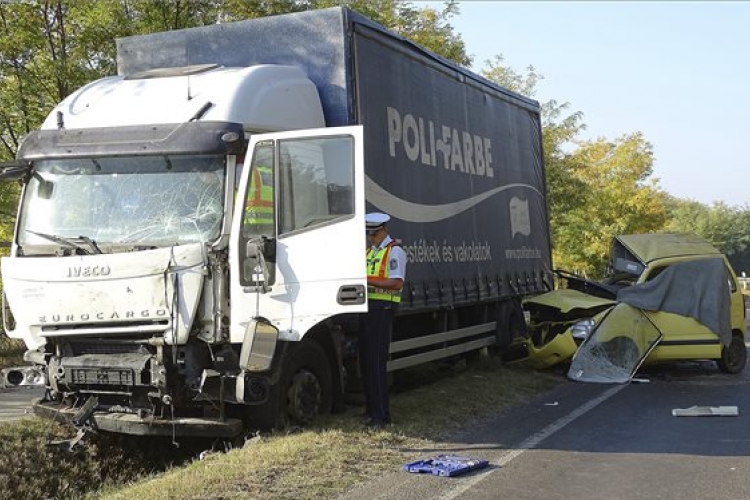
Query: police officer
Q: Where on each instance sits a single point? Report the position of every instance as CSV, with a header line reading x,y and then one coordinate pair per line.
x,y
386,271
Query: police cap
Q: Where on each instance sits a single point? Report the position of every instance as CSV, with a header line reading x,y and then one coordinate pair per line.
x,y
375,220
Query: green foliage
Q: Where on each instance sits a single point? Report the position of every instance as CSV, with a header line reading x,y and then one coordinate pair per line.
x,y
505,76
620,198
11,352
237,10
728,228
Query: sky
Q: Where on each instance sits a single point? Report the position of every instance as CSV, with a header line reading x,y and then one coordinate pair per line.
x,y
679,72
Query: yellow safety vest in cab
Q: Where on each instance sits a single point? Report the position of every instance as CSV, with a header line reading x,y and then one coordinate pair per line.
x,y
259,205
377,267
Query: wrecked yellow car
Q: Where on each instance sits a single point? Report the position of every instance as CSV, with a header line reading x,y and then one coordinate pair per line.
x,y
666,297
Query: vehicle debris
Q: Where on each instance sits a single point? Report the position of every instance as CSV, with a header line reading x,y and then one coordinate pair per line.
x,y
446,465
706,411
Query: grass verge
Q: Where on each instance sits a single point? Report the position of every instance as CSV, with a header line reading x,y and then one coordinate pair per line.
x,y
326,460
31,468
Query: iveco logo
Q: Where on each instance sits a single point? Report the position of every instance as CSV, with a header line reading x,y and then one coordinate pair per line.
x,y
87,271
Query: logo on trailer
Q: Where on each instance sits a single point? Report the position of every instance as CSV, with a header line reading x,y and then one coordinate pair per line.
x,y
520,222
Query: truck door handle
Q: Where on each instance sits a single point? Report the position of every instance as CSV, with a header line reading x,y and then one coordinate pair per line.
x,y
350,295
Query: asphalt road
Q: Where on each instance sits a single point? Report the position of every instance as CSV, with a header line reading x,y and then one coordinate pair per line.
x,y
15,403
601,442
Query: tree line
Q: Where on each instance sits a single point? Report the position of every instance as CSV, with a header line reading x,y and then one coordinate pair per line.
x,y
596,188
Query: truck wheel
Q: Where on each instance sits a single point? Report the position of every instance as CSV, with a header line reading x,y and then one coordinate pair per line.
x,y
733,356
308,385
303,391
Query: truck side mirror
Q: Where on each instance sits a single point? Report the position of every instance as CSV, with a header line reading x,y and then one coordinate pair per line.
x,y
45,189
259,345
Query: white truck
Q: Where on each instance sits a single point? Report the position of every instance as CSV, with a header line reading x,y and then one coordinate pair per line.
x,y
189,252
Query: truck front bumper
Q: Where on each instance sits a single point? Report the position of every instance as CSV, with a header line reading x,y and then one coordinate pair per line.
x,y
128,423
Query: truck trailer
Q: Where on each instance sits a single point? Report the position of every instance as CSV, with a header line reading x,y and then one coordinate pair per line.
x,y
189,249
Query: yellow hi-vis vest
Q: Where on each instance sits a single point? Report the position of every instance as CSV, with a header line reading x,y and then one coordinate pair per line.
x,y
259,203
377,267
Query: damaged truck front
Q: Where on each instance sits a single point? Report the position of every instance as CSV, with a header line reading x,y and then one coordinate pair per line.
x,y
117,280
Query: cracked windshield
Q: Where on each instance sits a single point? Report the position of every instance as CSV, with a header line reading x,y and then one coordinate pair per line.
x,y
152,200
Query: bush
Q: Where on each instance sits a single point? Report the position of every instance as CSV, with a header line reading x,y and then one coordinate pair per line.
x,y
11,351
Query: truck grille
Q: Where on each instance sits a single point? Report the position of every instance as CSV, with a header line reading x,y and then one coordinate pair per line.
x,y
102,376
123,371
81,348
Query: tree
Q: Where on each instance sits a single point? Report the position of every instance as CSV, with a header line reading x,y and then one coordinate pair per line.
x,y
48,48
621,197
726,227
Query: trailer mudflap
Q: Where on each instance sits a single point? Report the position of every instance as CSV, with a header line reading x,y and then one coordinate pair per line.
x,y
128,423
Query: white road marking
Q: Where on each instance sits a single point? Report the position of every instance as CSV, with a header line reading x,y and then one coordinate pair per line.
x,y
530,442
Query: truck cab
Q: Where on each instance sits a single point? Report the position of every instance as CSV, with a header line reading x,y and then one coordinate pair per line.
x,y
139,275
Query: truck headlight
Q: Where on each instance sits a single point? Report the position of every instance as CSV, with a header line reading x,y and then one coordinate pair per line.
x,y
582,329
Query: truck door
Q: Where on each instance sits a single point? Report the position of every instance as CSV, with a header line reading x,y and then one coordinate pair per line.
x,y
297,250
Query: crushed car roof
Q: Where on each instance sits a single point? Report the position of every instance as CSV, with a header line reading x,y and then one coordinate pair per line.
x,y
566,300
650,247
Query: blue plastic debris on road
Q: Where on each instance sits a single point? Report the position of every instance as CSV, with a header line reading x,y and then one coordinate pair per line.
x,y
446,465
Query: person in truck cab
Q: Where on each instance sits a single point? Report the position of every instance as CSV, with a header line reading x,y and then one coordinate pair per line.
x,y
386,271
259,211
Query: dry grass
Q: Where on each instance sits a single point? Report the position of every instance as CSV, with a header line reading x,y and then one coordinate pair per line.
x,y
326,460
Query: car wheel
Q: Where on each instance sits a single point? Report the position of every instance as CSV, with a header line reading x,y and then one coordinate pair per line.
x,y
733,356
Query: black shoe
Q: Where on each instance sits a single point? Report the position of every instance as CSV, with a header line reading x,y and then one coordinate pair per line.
x,y
377,424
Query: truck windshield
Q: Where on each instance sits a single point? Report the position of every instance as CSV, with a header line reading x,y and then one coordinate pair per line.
x,y
152,200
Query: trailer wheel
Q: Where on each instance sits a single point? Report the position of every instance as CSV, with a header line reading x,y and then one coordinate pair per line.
x,y
733,356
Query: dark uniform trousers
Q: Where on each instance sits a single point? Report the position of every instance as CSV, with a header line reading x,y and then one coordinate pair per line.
x,y
375,337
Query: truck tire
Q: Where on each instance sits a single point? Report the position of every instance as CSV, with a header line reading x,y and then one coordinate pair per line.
x,y
303,391
733,357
